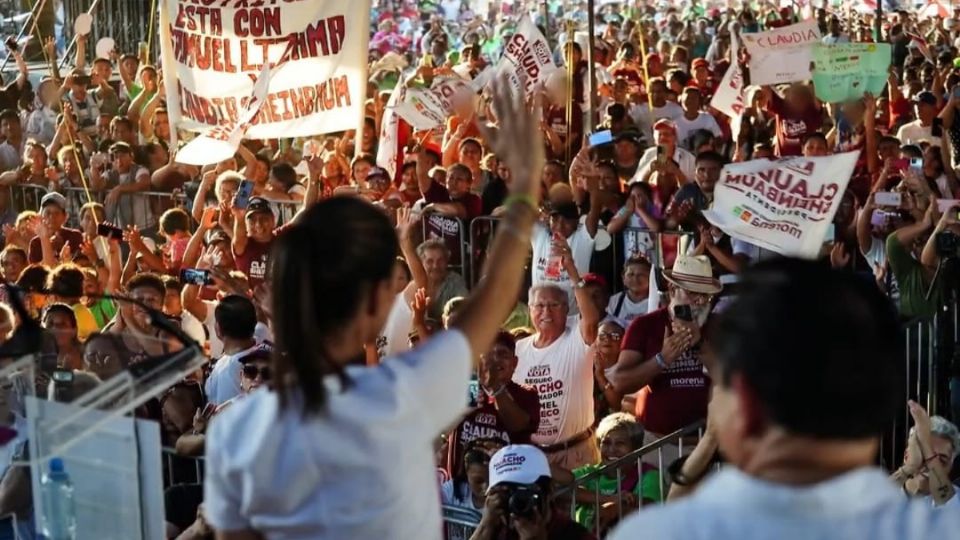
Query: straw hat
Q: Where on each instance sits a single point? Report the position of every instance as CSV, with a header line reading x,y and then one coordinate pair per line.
x,y
694,274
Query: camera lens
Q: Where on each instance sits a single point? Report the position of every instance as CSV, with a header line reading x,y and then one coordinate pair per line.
x,y
523,503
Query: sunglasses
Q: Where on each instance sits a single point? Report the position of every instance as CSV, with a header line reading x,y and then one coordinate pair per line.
x,y
251,372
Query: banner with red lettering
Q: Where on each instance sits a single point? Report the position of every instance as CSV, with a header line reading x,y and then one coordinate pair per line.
x,y
427,108
527,60
728,97
782,55
214,52
785,206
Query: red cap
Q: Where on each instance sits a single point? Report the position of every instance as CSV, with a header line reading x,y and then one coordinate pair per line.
x,y
653,57
665,125
700,62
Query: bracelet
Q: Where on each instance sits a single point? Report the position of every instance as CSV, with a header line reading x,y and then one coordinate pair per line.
x,y
661,361
521,199
623,211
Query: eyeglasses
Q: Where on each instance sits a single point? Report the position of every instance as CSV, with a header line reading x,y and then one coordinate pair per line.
x,y
610,336
251,372
546,305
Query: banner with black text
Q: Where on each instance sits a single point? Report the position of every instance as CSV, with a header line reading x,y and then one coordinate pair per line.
x,y
214,52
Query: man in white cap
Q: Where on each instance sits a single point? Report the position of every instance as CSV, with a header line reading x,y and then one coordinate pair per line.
x,y
661,354
518,499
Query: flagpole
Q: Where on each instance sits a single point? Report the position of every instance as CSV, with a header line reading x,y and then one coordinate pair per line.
x,y
591,70
364,73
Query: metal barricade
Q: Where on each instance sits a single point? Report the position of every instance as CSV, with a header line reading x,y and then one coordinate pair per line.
x,y
179,469
684,439
285,210
482,230
26,197
459,523
144,208
452,231
76,198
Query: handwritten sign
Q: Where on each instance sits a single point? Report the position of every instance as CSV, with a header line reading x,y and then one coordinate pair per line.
x,y
844,72
213,54
782,55
786,206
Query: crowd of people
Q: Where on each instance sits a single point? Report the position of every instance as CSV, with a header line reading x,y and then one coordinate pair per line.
x,y
298,262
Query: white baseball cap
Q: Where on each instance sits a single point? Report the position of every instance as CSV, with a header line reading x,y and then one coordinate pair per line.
x,y
518,464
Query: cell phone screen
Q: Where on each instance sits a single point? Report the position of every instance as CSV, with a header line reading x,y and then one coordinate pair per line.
x,y
194,276
244,191
601,137
105,229
683,313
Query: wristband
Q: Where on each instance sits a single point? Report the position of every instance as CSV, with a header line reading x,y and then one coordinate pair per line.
x,y
661,361
522,199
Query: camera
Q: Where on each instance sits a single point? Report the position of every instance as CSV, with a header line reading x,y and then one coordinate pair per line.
x,y
947,244
524,501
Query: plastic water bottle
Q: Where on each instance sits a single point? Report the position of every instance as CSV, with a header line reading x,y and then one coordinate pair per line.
x,y
60,521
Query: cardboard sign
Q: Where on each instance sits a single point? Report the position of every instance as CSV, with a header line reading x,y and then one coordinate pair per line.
x,y
844,72
786,206
212,55
782,55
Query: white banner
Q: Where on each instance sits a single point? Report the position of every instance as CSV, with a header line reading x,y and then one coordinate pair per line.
x,y
782,55
212,54
389,132
728,98
527,59
785,206
427,108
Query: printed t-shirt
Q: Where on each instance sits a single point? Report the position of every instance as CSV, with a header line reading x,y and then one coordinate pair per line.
x,y
792,127
549,269
253,261
563,378
678,395
484,423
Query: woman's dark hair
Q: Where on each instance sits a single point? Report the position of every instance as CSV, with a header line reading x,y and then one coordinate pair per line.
x,y
173,220
34,278
62,309
857,338
65,281
148,280
322,269
284,174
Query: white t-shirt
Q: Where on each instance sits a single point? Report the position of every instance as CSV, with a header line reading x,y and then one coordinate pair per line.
x,y
914,133
395,337
364,468
628,309
686,161
563,376
860,505
223,384
645,120
544,267
686,128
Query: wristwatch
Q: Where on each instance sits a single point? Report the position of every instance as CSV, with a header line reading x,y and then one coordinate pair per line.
x,y
581,284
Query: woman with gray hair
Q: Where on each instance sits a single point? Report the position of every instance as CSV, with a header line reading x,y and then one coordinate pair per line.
x,y
931,448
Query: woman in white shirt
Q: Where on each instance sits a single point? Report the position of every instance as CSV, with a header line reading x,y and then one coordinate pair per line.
x,y
633,300
337,449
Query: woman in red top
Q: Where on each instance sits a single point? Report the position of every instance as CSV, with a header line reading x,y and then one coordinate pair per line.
x,y
797,114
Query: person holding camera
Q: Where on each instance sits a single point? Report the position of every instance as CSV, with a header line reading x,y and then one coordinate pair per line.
x,y
661,355
518,500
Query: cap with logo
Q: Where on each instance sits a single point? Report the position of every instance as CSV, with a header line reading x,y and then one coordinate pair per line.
x,y
258,205
518,464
